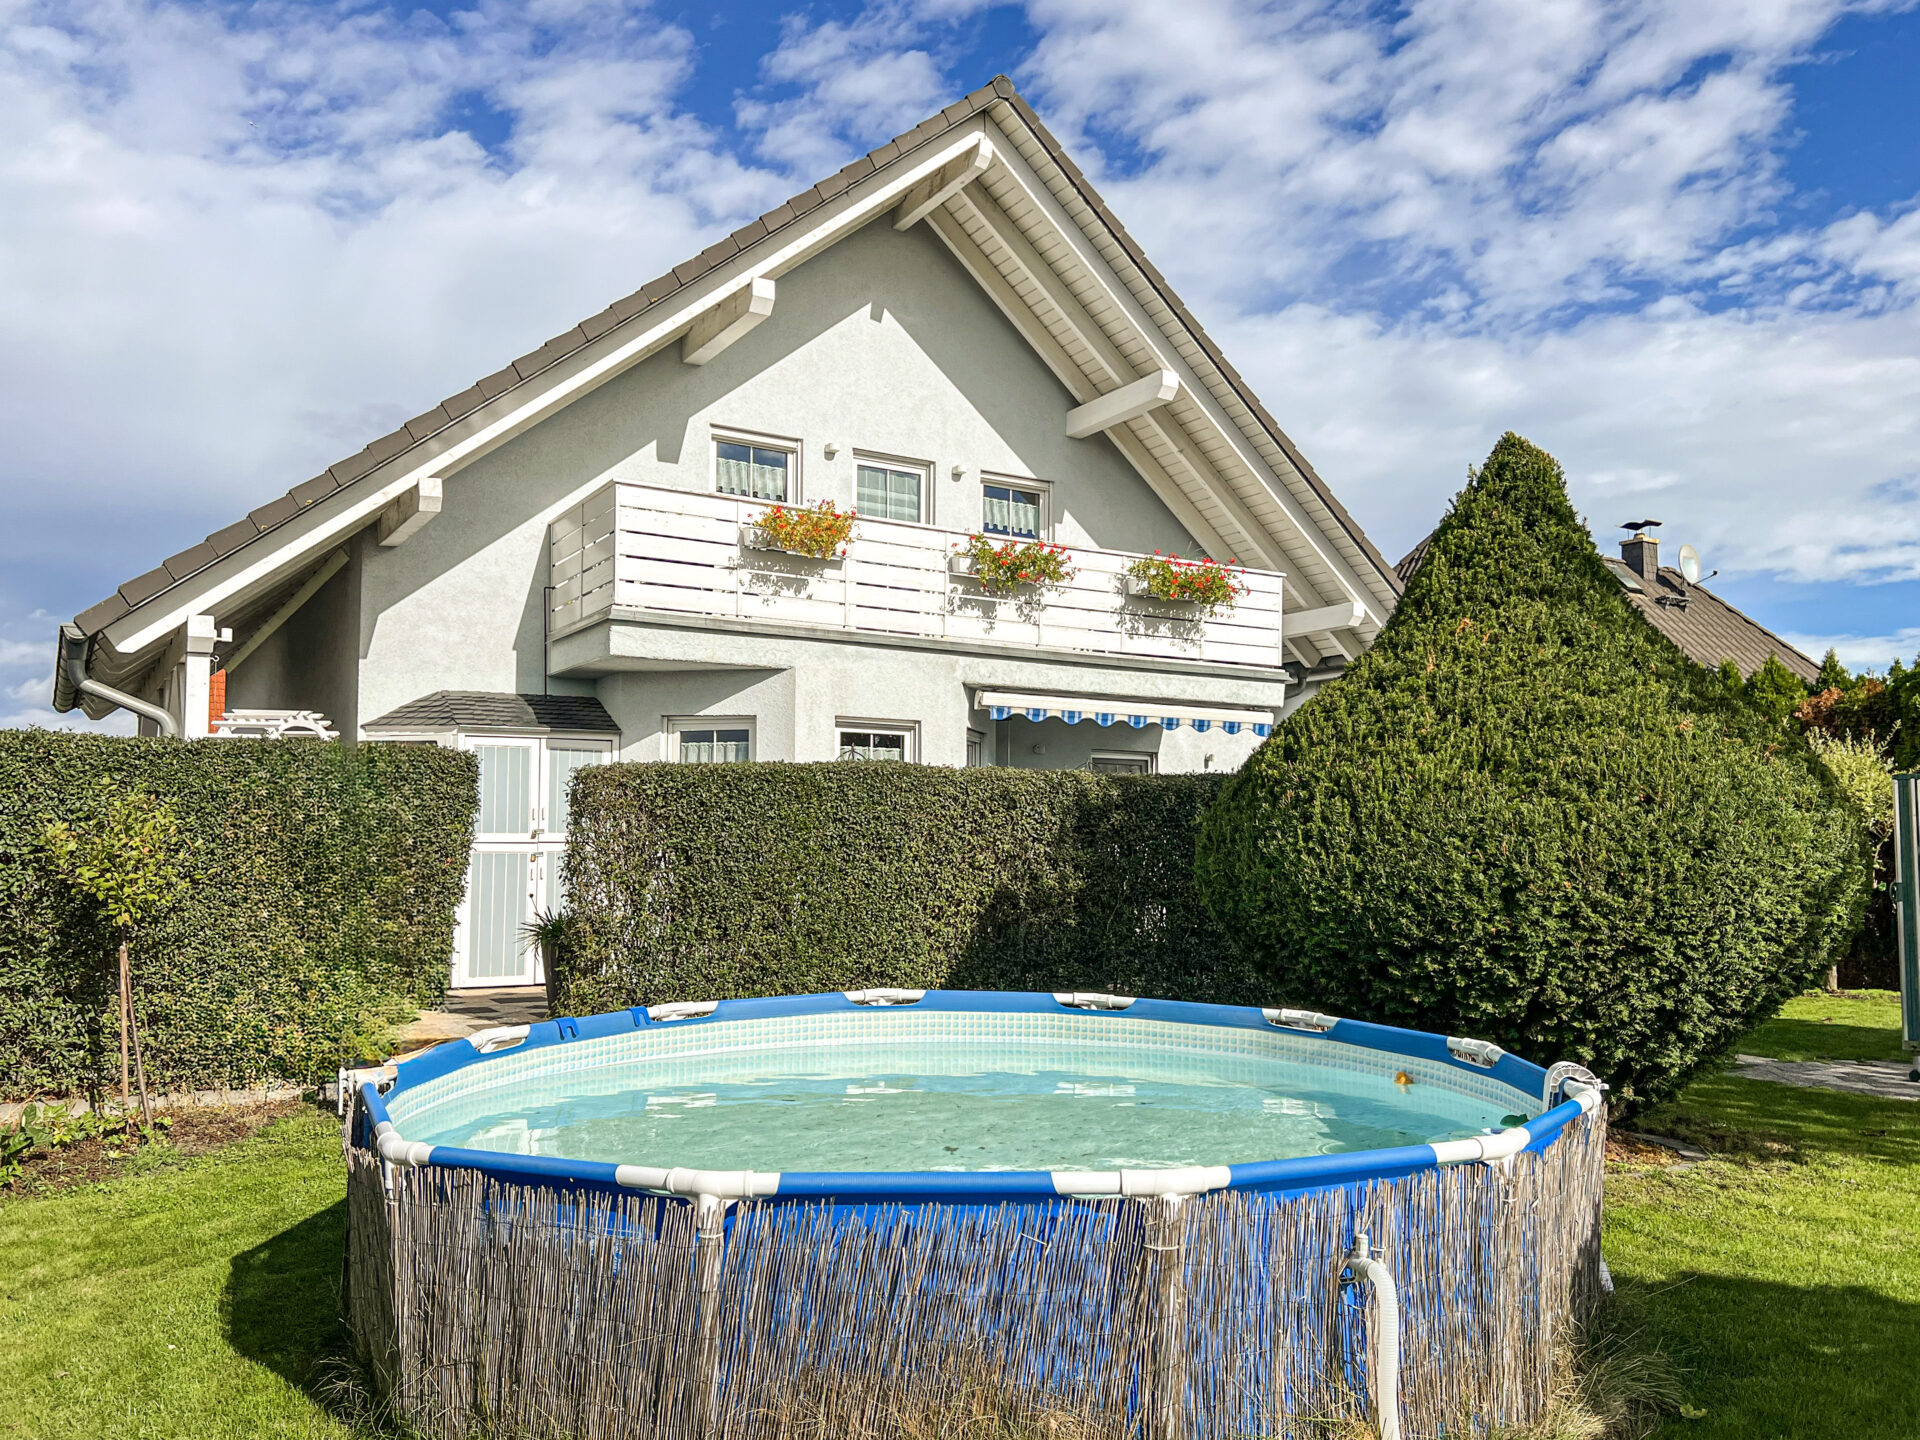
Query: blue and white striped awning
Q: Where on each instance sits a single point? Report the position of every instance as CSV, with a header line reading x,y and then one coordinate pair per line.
x,y
1008,705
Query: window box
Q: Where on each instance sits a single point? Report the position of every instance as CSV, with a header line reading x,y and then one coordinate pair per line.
x,y
819,533
1013,565
1202,586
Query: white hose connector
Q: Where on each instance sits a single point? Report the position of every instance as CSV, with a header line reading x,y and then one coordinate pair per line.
x,y
1089,1000
682,1010
718,1184
1383,1366
1301,1019
398,1151
1189,1180
884,996
500,1037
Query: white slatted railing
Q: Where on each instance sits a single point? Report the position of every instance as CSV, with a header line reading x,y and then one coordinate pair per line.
x,y
645,547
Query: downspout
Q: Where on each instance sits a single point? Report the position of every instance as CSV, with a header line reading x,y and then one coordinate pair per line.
x,y
73,657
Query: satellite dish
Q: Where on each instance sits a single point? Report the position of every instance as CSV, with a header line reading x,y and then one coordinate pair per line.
x,y
1690,564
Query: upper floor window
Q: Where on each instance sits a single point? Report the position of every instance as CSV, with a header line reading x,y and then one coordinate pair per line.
x,y
1011,510
891,491
759,472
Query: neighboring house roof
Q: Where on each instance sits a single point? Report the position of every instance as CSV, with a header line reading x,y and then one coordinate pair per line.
x,y
1706,629
487,710
467,419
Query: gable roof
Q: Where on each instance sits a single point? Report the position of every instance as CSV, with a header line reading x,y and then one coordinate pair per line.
x,y
1301,500
1706,629
487,710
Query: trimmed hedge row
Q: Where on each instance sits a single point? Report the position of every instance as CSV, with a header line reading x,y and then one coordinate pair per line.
x,y
323,884
710,881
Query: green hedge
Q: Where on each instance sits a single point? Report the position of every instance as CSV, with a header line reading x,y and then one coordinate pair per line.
x,y
324,880
708,881
1524,815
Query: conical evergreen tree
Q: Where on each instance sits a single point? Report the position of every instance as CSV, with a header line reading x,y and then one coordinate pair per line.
x,y
1524,815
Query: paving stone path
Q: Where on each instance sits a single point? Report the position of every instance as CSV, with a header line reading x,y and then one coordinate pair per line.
x,y
1884,1078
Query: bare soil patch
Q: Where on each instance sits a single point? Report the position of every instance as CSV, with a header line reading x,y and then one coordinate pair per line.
x,y
179,1135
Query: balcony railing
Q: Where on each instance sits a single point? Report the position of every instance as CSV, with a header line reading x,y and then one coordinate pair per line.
x,y
644,547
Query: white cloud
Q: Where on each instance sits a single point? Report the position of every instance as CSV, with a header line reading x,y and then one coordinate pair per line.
x,y
242,244
1863,652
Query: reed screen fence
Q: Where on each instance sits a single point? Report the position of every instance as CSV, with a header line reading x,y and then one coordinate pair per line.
x,y
483,1307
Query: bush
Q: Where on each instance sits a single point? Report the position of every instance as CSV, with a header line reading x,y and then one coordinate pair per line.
x,y
695,882
1524,815
321,886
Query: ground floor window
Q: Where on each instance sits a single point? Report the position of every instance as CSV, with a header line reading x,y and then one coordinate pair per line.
x,y
711,744
891,742
1120,763
976,749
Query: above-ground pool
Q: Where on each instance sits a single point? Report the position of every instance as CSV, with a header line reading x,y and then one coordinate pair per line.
x,y
892,1211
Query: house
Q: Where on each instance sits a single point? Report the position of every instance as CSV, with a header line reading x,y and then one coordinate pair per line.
x,y
564,564
1706,629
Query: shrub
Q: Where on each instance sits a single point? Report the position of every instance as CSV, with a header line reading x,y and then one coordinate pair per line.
x,y
321,882
1524,815
708,881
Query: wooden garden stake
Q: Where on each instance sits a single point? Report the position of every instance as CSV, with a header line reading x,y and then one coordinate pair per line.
x,y
126,1099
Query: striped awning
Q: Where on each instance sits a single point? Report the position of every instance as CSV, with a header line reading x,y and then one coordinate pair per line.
x,y
1008,704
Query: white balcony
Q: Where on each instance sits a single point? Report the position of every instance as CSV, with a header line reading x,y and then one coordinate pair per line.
x,y
644,548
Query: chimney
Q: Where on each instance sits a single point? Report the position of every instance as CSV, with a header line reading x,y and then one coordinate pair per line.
x,y
1642,554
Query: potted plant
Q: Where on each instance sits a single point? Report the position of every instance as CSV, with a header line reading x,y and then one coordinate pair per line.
x,y
1207,585
1013,564
820,532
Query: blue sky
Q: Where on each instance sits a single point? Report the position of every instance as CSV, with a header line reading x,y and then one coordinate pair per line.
x,y
1678,245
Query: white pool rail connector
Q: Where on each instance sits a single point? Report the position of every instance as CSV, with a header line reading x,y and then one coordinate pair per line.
x,y
1383,1364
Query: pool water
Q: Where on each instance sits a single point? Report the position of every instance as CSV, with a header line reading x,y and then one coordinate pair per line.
x,y
879,1107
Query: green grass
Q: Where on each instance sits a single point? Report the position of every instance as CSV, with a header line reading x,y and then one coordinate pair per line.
x,y
193,1301
1783,1276
1858,1025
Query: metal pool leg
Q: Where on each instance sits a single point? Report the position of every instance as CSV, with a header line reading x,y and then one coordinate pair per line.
x,y
709,1245
1167,1277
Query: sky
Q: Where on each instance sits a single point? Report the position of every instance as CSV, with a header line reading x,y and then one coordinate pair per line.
x,y
1678,245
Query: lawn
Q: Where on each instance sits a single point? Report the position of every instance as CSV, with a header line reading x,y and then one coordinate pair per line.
x,y
1855,1025
1783,1275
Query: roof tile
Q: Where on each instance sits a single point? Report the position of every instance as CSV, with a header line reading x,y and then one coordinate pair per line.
x,y
317,488
346,471
395,442
661,286
688,271
497,383
233,537
594,326
885,154
96,618
465,403
717,254
191,559
274,511
833,185
421,426
480,709
144,587
750,234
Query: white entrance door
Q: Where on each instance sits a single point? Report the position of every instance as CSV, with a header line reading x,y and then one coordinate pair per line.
x,y
519,836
